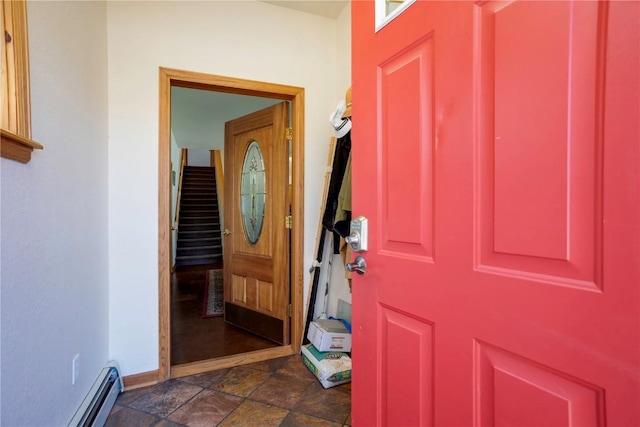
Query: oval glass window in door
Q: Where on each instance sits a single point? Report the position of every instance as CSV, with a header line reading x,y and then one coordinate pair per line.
x,y
253,193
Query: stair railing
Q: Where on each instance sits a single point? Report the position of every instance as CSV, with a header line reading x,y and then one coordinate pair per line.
x,y
183,162
217,163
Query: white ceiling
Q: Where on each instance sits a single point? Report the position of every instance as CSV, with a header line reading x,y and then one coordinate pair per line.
x,y
198,116
328,8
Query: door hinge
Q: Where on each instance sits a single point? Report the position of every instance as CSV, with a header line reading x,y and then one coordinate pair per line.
x,y
289,310
288,133
288,222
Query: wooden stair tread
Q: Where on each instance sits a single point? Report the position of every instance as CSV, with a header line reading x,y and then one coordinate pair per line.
x,y
194,248
198,256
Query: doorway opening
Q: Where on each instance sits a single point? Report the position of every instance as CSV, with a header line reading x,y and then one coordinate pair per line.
x,y
295,96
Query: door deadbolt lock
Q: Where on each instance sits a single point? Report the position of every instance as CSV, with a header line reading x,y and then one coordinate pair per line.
x,y
359,235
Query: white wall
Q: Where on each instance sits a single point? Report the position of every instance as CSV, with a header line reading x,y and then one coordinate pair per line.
x,y
54,281
198,116
251,40
343,48
199,157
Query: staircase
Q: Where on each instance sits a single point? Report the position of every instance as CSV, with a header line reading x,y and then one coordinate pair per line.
x,y
199,239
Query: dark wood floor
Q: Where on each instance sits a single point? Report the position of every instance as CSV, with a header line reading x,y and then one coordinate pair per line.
x,y
194,338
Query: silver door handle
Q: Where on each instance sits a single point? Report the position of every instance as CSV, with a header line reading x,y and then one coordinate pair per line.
x,y
359,265
353,240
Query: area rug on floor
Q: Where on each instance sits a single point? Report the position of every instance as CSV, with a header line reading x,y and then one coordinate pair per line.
x,y
213,304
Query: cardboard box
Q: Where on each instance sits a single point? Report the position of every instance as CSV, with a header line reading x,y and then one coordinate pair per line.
x,y
329,335
330,368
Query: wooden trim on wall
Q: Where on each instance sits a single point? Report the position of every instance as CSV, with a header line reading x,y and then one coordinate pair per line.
x,y
164,226
297,214
17,116
194,368
172,77
144,379
15,107
15,147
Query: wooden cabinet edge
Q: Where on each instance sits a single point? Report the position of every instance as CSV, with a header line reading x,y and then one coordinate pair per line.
x,y
18,148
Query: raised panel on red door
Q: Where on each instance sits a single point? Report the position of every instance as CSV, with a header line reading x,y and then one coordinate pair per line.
x,y
397,304
496,155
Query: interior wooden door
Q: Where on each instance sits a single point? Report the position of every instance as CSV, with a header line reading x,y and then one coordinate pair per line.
x,y
496,154
256,243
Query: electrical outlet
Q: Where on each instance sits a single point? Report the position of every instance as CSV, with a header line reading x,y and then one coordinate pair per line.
x,y
75,368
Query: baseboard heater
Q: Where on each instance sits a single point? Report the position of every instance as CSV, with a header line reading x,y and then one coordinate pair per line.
x,y
95,408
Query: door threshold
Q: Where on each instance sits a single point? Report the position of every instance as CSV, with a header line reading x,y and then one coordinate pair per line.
x,y
193,368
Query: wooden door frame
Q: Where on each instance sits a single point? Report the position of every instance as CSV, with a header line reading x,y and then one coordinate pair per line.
x,y
194,80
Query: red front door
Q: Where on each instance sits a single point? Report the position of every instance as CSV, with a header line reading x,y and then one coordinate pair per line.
x,y
496,154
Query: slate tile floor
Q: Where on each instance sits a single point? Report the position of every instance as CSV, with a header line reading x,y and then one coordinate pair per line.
x,y
279,392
